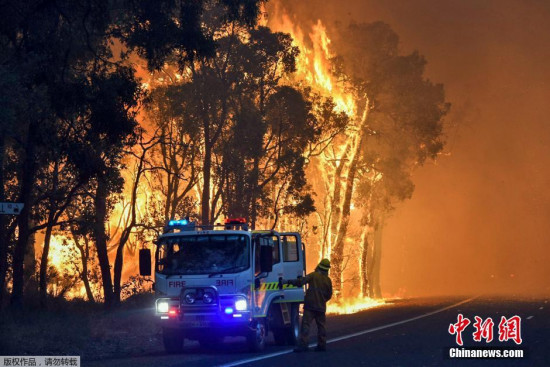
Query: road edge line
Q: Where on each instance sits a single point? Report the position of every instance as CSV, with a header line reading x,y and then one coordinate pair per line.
x,y
344,337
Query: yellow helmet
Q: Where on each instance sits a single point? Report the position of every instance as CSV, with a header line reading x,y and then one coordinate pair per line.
x,y
324,264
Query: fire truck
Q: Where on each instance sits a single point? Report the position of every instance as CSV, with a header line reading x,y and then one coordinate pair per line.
x,y
225,280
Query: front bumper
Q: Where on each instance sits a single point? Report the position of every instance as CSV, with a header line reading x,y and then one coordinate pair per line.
x,y
201,320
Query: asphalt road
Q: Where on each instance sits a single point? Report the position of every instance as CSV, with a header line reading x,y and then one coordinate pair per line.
x,y
410,332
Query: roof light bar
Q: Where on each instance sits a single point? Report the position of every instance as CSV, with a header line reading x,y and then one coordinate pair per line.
x,y
181,222
235,221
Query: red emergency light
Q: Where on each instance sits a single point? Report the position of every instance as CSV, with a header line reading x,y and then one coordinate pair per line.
x,y
235,221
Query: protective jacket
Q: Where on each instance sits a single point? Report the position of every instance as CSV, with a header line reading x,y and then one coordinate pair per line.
x,y
318,292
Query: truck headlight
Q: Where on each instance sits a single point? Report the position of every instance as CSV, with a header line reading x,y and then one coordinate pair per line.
x,y
208,297
240,305
162,307
190,298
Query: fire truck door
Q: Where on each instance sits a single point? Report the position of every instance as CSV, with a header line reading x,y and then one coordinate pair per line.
x,y
293,260
293,257
267,282
278,269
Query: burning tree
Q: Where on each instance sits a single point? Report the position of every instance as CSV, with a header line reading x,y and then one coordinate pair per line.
x,y
243,132
402,129
395,126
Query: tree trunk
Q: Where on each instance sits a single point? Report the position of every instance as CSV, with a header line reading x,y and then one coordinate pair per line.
x,y
25,197
337,255
254,194
335,208
30,279
205,201
44,260
376,260
119,262
119,258
125,236
84,256
85,280
100,202
85,271
47,238
363,262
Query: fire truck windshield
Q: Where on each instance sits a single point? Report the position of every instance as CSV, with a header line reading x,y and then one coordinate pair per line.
x,y
203,254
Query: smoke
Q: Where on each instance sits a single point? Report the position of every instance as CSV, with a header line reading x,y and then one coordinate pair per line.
x,y
477,222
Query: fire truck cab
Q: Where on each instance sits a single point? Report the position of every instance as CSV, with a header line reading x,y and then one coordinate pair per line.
x,y
225,280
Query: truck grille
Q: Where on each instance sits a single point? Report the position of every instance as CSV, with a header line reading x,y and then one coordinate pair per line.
x,y
199,297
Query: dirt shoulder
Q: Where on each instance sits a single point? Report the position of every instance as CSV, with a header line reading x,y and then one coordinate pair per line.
x,y
78,328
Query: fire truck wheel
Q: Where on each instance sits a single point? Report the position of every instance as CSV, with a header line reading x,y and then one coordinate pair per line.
x,y
256,337
173,340
293,330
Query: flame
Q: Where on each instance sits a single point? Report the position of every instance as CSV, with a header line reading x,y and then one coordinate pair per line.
x,y
57,255
315,70
354,305
314,61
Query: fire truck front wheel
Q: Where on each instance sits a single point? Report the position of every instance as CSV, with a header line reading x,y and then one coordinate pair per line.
x,y
173,340
256,336
293,330
286,334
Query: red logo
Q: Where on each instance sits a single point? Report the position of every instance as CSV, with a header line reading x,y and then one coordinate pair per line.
x,y
510,329
459,327
484,329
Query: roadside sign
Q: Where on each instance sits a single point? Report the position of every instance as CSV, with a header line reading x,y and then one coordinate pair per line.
x,y
11,208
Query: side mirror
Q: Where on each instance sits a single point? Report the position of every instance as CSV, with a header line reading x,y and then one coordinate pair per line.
x,y
145,262
266,259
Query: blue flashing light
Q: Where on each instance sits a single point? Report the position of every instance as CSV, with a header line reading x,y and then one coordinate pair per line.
x,y
228,310
181,222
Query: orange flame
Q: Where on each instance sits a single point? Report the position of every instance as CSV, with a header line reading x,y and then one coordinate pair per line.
x,y
314,62
57,255
314,69
353,305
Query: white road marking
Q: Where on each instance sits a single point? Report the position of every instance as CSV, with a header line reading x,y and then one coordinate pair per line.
x,y
344,337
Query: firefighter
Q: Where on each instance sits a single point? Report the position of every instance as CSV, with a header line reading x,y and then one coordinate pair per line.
x,y
318,293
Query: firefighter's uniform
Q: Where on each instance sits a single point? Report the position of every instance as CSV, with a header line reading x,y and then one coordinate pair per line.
x,y
319,291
